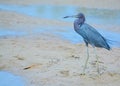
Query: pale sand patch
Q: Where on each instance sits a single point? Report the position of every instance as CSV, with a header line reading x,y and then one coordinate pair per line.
x,y
50,61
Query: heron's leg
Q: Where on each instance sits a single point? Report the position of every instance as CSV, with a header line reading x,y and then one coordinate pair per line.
x,y
97,63
86,61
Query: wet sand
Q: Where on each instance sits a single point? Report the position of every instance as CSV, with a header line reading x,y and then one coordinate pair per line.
x,y
47,60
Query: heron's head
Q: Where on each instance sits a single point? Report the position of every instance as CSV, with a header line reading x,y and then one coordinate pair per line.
x,y
79,16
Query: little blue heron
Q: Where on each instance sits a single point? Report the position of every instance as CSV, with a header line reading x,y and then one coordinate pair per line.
x,y
90,36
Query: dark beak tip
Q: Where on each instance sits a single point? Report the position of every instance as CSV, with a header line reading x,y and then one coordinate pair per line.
x,y
66,17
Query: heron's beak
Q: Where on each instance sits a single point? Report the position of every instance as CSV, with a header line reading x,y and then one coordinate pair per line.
x,y
74,16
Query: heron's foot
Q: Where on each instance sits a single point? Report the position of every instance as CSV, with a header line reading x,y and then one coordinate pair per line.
x,y
95,62
99,62
82,74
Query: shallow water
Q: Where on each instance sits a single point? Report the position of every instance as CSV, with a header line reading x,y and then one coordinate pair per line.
x,y
96,16
58,12
69,34
7,32
8,79
64,33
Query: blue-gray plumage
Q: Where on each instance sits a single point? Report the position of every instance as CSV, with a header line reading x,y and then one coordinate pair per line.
x,y
89,34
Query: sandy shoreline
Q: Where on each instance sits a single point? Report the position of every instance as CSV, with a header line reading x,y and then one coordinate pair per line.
x,y
48,60
23,21
52,60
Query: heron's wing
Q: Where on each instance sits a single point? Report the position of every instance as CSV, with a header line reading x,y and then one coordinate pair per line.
x,y
89,32
92,36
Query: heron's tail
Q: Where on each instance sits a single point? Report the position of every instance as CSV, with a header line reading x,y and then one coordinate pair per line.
x,y
108,47
113,43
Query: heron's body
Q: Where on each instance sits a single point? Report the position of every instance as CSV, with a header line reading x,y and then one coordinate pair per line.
x,y
91,35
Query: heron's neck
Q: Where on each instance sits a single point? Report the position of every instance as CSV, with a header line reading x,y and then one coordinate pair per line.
x,y
81,24
77,25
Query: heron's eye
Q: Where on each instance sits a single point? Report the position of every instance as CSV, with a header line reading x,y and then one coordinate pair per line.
x,y
80,17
